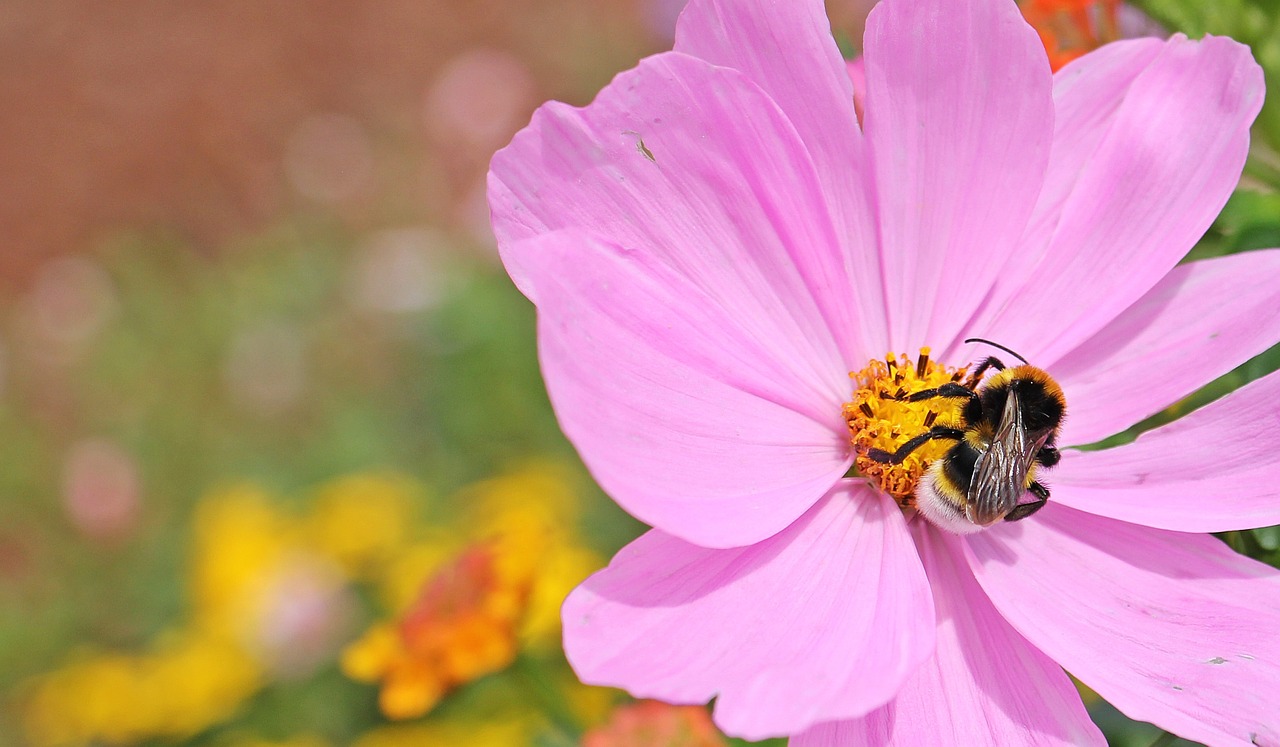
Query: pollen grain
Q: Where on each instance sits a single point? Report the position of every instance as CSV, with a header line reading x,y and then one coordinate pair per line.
x,y
879,417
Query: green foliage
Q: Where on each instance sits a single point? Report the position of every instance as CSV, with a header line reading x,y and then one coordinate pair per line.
x,y
1254,22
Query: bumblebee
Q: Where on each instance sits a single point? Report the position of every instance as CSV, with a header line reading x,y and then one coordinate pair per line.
x,y
1006,433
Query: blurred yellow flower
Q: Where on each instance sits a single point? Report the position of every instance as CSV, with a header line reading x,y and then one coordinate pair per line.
x,y
189,682
543,493
239,534
363,519
560,570
258,581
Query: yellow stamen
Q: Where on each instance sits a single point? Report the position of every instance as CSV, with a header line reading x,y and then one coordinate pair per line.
x,y
879,417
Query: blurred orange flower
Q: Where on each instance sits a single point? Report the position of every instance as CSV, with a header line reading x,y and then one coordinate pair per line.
x,y
653,724
1070,28
466,598
463,626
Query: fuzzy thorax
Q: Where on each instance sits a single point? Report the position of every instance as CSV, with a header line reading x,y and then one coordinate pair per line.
x,y
879,417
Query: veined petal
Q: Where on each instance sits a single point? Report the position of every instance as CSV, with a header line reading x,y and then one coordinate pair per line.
x,y
697,167
1202,320
959,119
985,685
787,49
1171,628
822,621
1087,92
1210,471
1172,146
687,414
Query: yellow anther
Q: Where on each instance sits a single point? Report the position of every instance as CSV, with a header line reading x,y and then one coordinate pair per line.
x,y
879,417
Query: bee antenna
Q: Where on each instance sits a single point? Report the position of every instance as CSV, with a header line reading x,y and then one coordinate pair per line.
x,y
998,345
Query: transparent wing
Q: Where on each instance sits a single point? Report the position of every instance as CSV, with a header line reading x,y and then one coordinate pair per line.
x,y
1000,475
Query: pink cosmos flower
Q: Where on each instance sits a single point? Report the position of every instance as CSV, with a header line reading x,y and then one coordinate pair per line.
x,y
715,244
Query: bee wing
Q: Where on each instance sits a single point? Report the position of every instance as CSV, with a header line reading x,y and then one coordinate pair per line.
x,y
1000,474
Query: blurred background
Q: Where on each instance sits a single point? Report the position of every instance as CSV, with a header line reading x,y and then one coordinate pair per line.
x,y
278,465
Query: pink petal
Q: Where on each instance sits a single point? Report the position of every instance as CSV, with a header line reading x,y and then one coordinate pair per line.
x,y
1171,628
1202,320
1086,95
787,49
1211,471
858,74
821,622
984,685
667,161
1160,161
959,118
686,414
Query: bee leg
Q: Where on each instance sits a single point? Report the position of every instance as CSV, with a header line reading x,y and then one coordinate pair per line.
x,y
938,431
989,362
1023,510
1048,456
948,391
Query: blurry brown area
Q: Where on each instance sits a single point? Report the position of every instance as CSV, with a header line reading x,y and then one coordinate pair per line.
x,y
210,119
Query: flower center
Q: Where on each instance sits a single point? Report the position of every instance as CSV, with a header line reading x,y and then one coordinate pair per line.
x,y
880,417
